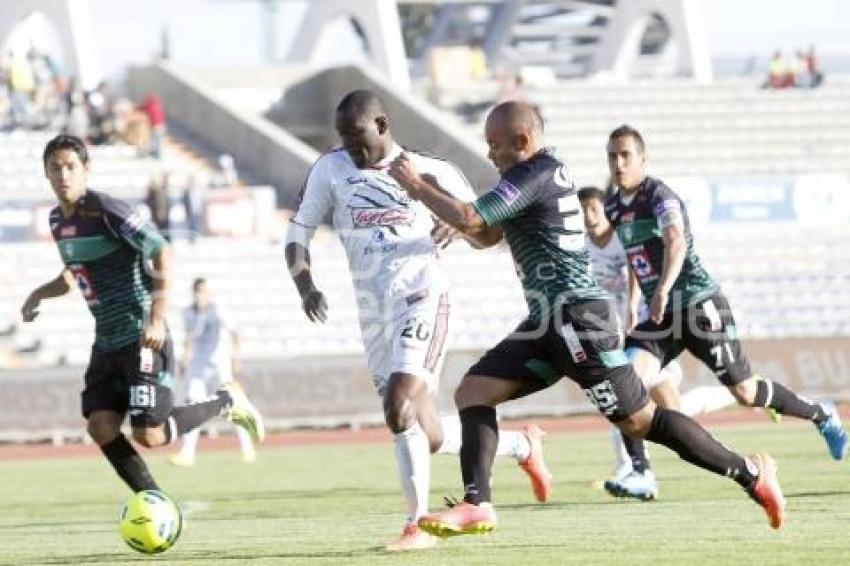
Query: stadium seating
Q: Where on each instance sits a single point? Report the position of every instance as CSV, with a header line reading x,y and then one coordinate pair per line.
x,y
730,127
807,297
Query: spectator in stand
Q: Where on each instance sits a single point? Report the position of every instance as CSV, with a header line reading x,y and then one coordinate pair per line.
x,y
193,202
813,68
77,121
226,176
101,116
155,111
477,61
158,204
778,73
22,87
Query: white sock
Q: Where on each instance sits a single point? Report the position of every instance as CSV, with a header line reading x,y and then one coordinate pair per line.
x,y
705,399
413,457
621,457
512,443
245,442
190,443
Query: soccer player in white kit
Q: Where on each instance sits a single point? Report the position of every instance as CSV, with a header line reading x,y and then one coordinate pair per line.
x,y
610,267
209,360
401,294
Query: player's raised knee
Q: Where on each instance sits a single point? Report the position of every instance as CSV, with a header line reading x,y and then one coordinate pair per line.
x,y
149,437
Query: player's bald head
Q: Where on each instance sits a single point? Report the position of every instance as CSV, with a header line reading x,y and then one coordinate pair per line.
x,y
517,117
514,133
360,105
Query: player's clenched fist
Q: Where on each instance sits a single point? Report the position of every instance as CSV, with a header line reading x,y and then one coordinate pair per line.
x,y
403,171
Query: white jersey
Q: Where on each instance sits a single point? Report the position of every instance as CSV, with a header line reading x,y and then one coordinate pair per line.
x,y
610,268
386,234
209,332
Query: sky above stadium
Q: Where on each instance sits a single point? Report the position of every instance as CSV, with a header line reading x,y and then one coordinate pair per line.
x,y
227,32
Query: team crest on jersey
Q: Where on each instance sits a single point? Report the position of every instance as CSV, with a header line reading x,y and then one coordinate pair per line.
x,y
68,232
628,217
507,191
373,217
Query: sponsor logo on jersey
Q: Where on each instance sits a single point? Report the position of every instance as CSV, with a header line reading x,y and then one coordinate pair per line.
x,y
68,232
628,217
372,217
84,284
666,206
562,178
573,343
640,263
507,191
146,360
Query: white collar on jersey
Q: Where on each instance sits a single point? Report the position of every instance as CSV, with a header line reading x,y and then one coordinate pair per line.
x,y
395,151
627,199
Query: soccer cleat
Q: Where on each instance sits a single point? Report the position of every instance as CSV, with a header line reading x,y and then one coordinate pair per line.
x,y
617,474
413,538
534,466
766,491
181,460
242,412
774,417
634,484
461,519
833,432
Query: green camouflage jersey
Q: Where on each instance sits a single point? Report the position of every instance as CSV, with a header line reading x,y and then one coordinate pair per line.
x,y
105,245
536,205
639,226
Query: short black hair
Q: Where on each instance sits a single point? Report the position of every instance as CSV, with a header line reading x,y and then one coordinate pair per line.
x,y
627,131
65,141
198,282
587,193
358,102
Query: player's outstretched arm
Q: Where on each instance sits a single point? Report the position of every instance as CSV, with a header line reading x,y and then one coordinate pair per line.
x,y
53,288
461,215
313,301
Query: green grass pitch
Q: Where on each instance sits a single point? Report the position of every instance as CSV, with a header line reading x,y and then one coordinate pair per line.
x,y
339,504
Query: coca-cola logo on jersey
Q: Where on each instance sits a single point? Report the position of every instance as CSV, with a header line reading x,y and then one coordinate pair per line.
x,y
371,217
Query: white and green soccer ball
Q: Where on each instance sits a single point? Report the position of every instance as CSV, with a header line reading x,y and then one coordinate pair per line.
x,y
150,522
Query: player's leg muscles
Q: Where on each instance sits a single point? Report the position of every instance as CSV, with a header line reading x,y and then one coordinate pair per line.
x,y
679,433
476,398
105,429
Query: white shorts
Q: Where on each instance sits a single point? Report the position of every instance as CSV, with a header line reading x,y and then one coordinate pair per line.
x,y
412,340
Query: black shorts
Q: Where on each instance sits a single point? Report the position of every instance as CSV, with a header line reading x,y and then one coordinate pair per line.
x,y
707,330
582,342
134,380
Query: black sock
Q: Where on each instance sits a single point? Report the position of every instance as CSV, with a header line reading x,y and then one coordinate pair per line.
x,y
636,448
786,402
128,464
479,440
186,417
695,445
